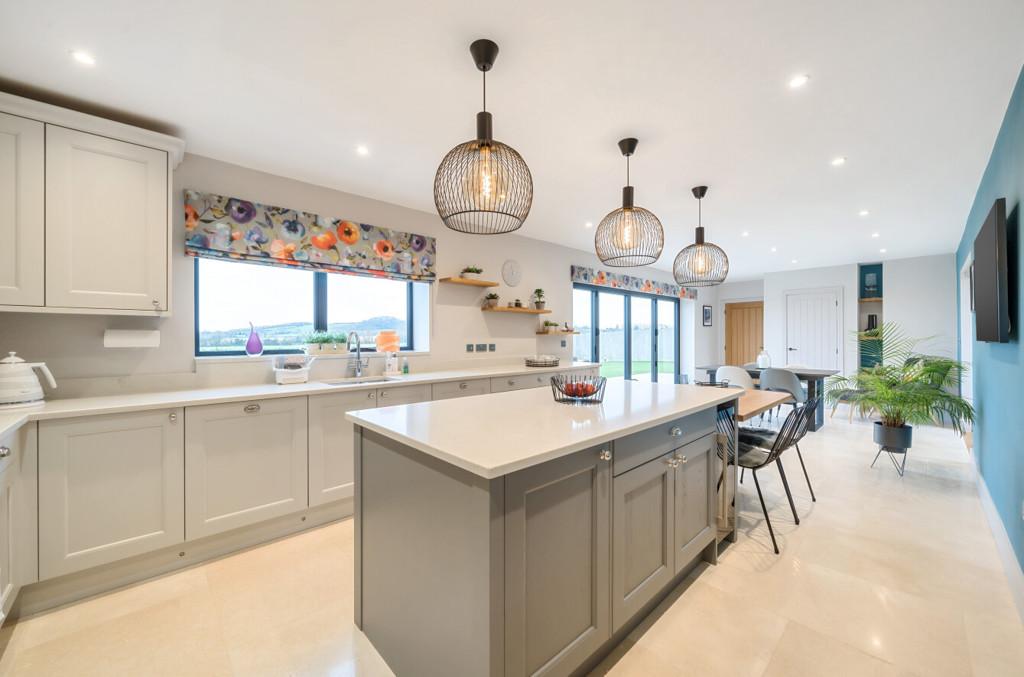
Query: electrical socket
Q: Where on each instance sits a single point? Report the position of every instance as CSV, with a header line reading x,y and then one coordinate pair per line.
x,y
563,343
491,347
469,347
481,347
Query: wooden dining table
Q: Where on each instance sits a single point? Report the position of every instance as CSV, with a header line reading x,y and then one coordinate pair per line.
x,y
814,378
755,402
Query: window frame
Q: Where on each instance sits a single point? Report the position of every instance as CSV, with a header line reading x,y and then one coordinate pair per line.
x,y
627,339
320,319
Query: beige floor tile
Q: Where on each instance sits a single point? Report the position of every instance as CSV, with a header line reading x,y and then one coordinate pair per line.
x,y
802,652
996,642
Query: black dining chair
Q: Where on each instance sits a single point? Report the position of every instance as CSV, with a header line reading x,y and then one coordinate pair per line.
x,y
764,438
757,452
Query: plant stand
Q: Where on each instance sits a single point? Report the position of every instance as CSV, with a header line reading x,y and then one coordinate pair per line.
x,y
892,451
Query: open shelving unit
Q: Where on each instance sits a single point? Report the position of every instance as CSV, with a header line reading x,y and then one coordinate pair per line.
x,y
560,332
522,311
468,282
869,303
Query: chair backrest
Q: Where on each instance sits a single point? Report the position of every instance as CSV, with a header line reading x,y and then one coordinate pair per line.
x,y
805,422
786,436
736,376
783,380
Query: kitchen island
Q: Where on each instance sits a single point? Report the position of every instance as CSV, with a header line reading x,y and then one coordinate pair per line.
x,y
507,534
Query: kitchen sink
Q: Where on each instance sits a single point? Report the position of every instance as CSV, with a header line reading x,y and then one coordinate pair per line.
x,y
355,380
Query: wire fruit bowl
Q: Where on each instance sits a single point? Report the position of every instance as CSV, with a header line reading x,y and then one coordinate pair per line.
x,y
573,389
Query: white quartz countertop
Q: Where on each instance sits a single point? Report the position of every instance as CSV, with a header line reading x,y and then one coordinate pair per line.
x,y
493,435
11,419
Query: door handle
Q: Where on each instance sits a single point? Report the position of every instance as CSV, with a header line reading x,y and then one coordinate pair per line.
x,y
252,408
793,349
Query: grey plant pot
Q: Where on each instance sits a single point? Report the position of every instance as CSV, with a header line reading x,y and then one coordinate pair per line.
x,y
893,438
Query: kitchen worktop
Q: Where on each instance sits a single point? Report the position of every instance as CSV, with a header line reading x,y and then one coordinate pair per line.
x,y
505,432
11,419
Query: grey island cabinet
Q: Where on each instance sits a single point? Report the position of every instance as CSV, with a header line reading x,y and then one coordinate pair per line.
x,y
507,534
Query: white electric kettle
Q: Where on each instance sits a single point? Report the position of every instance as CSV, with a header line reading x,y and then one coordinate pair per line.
x,y
18,383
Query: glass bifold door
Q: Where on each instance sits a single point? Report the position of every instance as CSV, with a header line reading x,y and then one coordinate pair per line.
x,y
632,335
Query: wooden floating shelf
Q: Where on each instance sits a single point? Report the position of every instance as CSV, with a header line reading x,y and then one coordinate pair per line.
x,y
879,300
469,282
525,311
560,332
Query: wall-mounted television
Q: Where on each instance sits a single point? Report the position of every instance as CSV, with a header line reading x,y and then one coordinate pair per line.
x,y
991,289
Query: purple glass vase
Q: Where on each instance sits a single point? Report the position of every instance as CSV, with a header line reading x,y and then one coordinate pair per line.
x,y
254,345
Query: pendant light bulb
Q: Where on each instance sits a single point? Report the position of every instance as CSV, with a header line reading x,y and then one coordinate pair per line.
x,y
486,184
626,231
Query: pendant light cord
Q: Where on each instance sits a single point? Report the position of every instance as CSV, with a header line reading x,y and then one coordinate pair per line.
x,y
485,91
627,170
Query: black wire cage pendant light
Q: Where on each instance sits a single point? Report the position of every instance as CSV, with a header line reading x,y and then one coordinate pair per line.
x,y
702,264
483,187
630,235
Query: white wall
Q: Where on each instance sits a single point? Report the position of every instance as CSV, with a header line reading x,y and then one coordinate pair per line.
x,y
73,345
920,295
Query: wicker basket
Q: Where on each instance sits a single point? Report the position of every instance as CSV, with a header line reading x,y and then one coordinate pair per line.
x,y
573,389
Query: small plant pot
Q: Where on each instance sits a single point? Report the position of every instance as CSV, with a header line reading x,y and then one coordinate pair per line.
x,y
490,303
469,276
539,305
893,438
313,349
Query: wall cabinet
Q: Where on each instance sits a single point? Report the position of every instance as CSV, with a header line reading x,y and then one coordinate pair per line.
x,y
21,211
104,195
331,442
245,463
110,487
557,563
76,192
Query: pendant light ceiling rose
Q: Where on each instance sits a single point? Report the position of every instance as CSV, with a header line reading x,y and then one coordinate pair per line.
x,y
702,264
483,186
631,235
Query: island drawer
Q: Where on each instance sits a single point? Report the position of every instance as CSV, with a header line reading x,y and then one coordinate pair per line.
x,y
450,389
503,384
639,448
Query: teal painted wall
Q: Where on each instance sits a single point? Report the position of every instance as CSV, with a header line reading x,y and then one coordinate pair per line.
x,y
999,367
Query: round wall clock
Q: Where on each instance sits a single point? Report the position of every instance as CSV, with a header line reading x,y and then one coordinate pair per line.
x,y
511,272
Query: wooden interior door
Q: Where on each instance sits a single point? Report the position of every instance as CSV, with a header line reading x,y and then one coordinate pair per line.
x,y
744,331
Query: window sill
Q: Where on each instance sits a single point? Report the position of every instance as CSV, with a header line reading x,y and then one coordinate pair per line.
x,y
242,359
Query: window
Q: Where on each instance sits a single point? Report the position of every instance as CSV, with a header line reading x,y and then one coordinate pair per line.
x,y
285,305
632,335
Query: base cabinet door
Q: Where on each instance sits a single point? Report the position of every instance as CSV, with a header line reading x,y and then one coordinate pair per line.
x,y
331,443
8,528
694,500
557,558
643,558
110,487
245,463
102,194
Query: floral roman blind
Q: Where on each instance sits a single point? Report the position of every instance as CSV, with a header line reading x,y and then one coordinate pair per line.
x,y
227,227
585,275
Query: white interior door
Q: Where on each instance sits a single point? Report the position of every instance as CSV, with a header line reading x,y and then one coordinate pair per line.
x,y
813,329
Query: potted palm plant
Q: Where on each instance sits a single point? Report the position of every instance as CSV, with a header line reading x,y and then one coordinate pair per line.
x,y
902,387
538,299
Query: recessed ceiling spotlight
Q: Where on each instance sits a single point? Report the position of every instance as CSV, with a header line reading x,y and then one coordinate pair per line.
x,y
798,81
876,235
589,224
746,233
362,150
838,161
863,212
775,249
84,58
882,250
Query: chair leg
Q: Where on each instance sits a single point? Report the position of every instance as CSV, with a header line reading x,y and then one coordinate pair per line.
x,y
742,470
764,509
806,476
785,485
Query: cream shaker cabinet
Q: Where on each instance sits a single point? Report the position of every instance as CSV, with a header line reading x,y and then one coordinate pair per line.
x,y
106,223
245,463
21,211
110,487
331,440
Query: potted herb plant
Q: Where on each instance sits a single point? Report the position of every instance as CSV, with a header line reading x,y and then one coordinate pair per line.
x,y
491,300
902,387
317,342
550,327
538,299
470,272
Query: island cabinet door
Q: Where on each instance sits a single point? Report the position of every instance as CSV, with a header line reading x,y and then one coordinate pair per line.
x,y
557,560
643,557
245,462
331,444
110,487
694,499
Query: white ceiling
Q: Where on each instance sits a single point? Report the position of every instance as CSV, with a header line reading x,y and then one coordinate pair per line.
x,y
911,91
